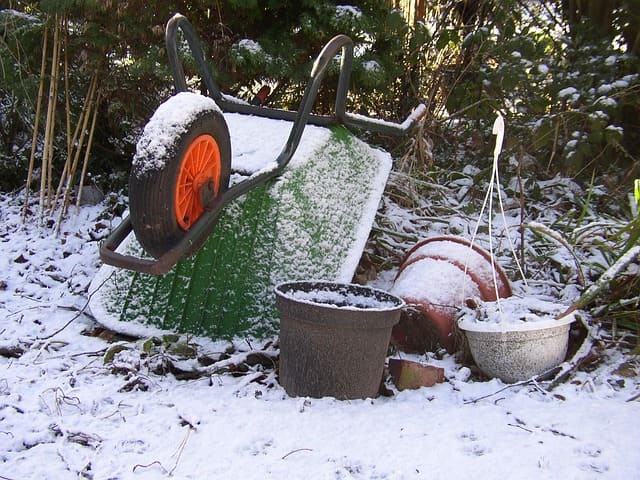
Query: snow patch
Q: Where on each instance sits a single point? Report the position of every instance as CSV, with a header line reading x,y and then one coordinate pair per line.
x,y
610,60
606,101
343,300
250,46
343,11
514,313
371,66
163,130
436,282
569,91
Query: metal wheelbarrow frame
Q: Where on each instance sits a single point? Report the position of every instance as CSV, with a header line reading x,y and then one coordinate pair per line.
x,y
203,227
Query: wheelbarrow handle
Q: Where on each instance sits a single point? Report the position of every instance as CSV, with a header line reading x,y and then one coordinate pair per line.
x,y
300,118
203,227
179,21
230,104
109,255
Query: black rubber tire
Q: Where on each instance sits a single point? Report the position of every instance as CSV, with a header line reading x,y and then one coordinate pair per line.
x,y
152,193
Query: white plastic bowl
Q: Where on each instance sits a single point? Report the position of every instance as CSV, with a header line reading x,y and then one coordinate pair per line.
x,y
516,353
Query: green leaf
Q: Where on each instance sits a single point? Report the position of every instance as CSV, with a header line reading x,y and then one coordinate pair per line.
x,y
148,344
183,350
170,338
112,352
637,190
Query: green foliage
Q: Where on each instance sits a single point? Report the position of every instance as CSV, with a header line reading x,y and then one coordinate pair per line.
x,y
19,58
248,43
567,85
276,44
153,347
565,80
63,7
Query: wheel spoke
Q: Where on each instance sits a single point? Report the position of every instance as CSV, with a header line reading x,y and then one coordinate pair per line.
x,y
200,165
200,161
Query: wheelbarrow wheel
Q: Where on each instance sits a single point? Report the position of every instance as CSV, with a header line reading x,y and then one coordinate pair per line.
x,y
166,202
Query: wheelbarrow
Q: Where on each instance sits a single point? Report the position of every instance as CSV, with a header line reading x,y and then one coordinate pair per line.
x,y
203,247
179,183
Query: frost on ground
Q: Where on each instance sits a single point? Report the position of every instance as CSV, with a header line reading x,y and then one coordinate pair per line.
x,y
191,408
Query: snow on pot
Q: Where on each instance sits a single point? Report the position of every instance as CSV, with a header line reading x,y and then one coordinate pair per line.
x,y
516,339
334,338
436,277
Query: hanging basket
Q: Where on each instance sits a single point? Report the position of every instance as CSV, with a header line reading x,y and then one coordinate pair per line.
x,y
517,353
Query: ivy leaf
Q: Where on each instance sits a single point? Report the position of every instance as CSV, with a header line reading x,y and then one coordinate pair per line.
x,y
170,338
183,350
148,345
111,353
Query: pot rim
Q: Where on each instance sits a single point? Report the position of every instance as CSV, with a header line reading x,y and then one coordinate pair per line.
x,y
392,302
476,326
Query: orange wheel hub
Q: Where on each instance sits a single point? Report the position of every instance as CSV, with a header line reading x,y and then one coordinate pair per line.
x,y
199,172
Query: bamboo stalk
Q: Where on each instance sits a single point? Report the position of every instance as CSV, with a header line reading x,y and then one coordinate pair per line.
x,y
67,90
36,124
603,283
47,132
74,140
89,102
47,154
87,151
55,81
70,140
81,123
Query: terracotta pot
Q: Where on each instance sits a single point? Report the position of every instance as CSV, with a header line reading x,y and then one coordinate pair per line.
x,y
436,277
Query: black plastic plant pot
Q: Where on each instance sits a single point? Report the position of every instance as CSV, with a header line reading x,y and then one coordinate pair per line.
x,y
334,338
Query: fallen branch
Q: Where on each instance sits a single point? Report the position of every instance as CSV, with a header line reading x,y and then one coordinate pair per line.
x,y
266,358
634,398
181,448
177,454
540,228
573,366
519,426
80,312
583,355
157,462
296,451
506,387
604,282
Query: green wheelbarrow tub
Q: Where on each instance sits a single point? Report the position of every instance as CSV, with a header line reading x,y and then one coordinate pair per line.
x,y
311,222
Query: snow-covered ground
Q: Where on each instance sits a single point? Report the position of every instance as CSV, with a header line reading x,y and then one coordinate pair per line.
x,y
65,414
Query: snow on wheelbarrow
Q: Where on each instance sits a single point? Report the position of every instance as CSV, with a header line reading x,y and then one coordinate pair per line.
x,y
229,199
